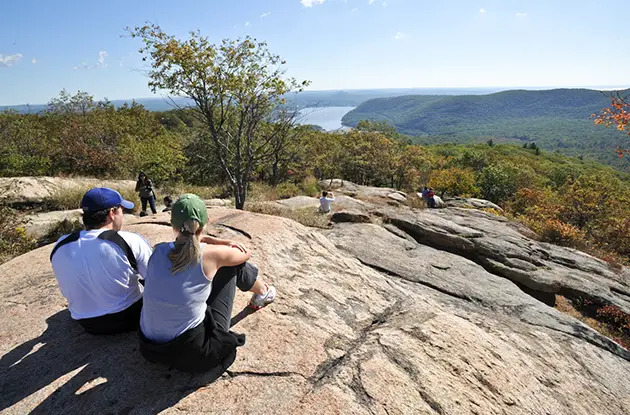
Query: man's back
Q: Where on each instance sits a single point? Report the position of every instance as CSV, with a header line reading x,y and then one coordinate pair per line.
x,y
95,275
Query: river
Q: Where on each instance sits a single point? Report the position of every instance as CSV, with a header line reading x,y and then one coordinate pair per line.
x,y
329,118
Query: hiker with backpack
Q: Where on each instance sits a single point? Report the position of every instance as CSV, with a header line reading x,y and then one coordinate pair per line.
x,y
189,293
98,269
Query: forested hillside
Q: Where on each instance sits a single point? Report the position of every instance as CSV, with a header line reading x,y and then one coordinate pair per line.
x,y
556,119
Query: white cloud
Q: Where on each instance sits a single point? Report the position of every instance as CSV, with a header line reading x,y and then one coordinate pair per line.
x,y
246,24
10,60
399,36
371,1
521,14
33,61
311,3
101,58
482,10
354,10
100,62
262,16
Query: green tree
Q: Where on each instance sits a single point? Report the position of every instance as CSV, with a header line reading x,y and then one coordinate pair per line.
x,y
496,183
236,86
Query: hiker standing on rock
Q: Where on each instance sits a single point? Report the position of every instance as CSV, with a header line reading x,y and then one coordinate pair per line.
x,y
189,294
98,269
144,187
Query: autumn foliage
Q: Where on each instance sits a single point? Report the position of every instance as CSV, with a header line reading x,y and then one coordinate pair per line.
x,y
617,115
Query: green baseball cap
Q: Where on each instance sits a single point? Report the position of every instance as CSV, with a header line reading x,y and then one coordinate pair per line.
x,y
189,206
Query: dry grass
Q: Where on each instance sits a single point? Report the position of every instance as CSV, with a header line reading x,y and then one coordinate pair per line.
x,y
204,192
66,199
306,216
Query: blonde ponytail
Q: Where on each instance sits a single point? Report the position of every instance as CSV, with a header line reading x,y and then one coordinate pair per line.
x,y
187,250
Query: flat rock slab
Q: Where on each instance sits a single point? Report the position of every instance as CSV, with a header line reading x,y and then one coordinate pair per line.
x,y
342,337
37,189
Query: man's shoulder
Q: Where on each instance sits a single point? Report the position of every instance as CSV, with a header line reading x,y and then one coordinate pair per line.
x,y
133,238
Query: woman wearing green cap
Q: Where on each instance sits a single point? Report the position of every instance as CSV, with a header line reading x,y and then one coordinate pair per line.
x,y
189,292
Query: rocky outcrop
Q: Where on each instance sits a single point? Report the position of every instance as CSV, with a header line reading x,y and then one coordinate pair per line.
x,y
369,319
28,190
472,203
362,192
498,246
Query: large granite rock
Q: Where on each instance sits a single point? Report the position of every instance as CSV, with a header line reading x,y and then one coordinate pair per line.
x,y
412,331
37,189
361,192
472,203
500,247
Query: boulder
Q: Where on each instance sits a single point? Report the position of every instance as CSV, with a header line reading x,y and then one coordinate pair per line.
x,y
37,189
473,203
365,322
397,196
359,191
299,202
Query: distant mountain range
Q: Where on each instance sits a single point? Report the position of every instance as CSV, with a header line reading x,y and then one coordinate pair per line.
x,y
557,119
331,98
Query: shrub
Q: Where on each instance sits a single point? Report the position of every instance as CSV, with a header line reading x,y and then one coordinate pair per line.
x,y
286,190
13,238
560,233
309,186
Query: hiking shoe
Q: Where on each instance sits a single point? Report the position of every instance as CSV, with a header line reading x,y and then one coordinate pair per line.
x,y
259,301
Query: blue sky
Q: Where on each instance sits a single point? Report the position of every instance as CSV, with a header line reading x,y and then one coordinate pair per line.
x,y
337,44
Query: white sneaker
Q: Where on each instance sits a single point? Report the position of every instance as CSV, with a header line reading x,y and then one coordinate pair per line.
x,y
259,301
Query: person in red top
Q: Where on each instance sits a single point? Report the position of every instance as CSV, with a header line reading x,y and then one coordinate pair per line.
x,y
430,198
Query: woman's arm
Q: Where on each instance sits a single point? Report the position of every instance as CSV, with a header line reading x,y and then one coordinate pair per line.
x,y
211,240
218,256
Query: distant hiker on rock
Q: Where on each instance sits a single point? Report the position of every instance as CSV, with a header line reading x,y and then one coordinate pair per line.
x,y
98,269
325,201
431,198
168,202
425,195
144,187
189,294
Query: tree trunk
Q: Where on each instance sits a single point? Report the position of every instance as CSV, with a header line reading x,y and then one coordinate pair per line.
x,y
275,173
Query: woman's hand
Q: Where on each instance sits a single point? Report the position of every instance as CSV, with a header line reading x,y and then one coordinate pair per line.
x,y
238,246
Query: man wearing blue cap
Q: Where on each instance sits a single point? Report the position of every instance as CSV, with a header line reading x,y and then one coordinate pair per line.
x,y
98,268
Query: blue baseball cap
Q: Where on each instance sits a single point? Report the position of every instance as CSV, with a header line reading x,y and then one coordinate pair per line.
x,y
101,198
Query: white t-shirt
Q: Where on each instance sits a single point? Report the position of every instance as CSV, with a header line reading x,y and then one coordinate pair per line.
x,y
324,203
95,275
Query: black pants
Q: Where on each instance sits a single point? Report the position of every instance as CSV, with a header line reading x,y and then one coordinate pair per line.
x,y
125,320
151,201
211,346
224,283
